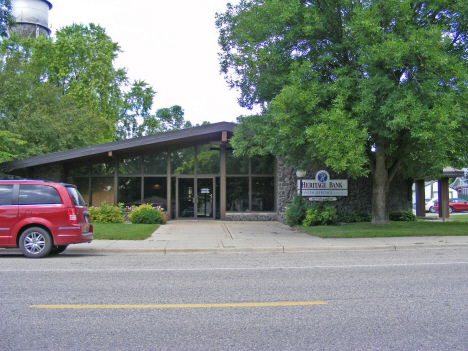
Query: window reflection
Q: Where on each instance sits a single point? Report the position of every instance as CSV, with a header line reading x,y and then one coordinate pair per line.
x,y
208,159
103,168
102,189
156,192
236,165
263,194
82,184
237,194
130,165
155,163
6,193
263,164
129,190
183,161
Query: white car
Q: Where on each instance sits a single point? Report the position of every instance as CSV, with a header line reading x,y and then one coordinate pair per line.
x,y
430,205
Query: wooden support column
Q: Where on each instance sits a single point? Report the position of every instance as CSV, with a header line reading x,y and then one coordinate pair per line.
x,y
420,198
116,179
444,197
169,186
222,182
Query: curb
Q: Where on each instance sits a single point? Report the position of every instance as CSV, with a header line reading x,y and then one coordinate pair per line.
x,y
270,249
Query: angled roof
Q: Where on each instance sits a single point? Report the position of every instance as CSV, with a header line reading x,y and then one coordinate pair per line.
x,y
106,152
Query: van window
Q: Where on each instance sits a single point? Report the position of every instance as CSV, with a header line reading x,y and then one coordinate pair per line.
x,y
38,194
6,193
76,196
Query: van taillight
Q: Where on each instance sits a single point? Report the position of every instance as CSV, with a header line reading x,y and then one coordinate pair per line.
x,y
71,212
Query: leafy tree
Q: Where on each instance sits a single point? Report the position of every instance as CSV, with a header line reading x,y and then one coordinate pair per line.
x,y
135,118
81,63
37,111
8,141
52,122
172,118
6,18
361,86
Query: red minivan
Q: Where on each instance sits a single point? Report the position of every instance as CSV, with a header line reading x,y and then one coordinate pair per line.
x,y
42,217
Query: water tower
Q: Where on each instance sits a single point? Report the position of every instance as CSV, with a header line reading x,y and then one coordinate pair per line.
x,y
32,17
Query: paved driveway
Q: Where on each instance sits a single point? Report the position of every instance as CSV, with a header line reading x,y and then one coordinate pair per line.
x,y
199,235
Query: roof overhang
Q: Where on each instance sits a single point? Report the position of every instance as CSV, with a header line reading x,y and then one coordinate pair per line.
x,y
213,133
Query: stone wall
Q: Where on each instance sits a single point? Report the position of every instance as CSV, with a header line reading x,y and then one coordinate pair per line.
x,y
359,197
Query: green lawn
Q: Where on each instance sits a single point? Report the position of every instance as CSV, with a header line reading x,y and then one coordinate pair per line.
x,y
123,231
366,230
460,218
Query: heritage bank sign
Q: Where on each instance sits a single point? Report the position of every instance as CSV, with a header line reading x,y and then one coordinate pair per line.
x,y
322,185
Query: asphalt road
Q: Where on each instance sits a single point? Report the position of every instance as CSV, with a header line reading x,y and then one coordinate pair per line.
x,y
382,300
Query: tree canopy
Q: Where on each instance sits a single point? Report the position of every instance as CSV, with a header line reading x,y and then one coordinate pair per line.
x,y
6,18
62,93
360,86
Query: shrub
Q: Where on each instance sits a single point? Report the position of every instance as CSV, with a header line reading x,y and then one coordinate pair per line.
x,y
106,214
296,211
146,214
354,217
164,217
407,216
320,214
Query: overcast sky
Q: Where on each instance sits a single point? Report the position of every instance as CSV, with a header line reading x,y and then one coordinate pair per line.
x,y
172,45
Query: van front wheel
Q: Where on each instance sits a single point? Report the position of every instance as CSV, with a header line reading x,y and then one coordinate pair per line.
x,y
35,242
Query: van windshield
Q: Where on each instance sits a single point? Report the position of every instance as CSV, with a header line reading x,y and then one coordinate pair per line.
x,y
76,196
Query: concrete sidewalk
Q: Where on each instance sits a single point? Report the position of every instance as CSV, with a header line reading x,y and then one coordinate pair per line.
x,y
218,237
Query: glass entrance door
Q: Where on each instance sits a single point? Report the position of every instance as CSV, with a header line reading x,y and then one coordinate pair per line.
x,y
186,198
205,198
196,198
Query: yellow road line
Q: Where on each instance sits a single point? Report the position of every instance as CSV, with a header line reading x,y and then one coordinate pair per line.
x,y
207,305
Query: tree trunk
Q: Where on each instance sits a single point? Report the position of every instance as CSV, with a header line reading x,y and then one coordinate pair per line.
x,y
380,192
382,175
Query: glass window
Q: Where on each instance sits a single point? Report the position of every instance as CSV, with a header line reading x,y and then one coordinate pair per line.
x,y
129,190
183,161
82,184
263,164
76,196
30,194
156,192
74,171
208,160
155,163
102,190
263,198
130,165
103,168
236,165
237,194
6,193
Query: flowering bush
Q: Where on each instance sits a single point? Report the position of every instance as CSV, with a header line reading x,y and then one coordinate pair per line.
x,y
106,214
146,214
